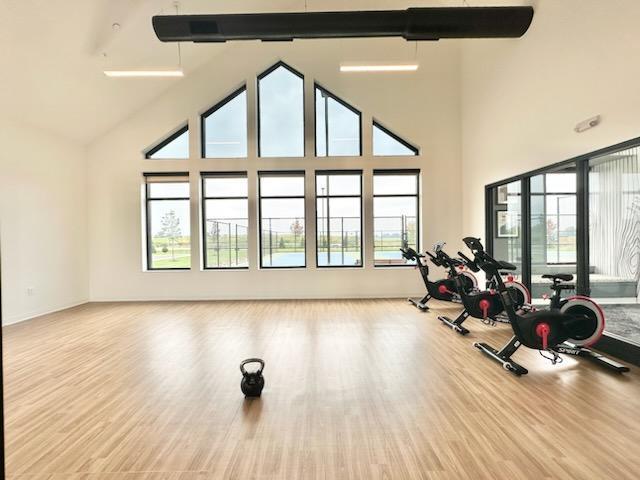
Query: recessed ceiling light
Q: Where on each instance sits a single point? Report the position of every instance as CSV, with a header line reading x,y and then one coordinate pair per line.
x,y
144,73
379,68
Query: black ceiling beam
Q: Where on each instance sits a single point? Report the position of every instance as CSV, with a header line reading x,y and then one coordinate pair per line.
x,y
411,24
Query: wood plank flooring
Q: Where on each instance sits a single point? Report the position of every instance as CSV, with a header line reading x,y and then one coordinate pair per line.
x,y
370,389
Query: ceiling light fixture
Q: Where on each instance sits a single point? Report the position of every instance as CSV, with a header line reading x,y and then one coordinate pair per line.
x,y
379,68
153,73
144,73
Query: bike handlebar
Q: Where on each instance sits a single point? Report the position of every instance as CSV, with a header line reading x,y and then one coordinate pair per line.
x,y
470,264
482,259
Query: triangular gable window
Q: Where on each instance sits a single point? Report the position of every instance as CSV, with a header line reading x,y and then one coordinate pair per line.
x,y
387,143
338,130
281,124
224,127
176,146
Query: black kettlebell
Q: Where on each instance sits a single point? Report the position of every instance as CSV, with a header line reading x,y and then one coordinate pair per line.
x,y
252,382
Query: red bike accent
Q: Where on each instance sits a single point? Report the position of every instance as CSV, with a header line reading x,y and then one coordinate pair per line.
x,y
543,330
484,306
510,278
443,289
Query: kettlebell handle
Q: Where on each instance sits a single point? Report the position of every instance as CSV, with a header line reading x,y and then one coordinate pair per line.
x,y
252,360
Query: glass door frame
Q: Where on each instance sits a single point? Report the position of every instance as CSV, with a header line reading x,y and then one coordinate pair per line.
x,y
582,218
609,343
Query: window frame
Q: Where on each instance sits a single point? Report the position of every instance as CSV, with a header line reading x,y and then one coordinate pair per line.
x,y
281,173
148,200
317,197
163,143
203,119
316,87
398,171
545,194
204,198
264,74
413,148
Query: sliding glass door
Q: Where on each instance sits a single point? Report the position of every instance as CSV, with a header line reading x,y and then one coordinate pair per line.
x,y
581,217
614,239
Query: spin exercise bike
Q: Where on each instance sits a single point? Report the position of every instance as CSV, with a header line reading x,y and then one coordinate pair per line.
x,y
484,305
569,327
444,289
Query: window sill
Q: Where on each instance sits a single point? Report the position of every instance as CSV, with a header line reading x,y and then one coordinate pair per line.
x,y
395,266
282,268
339,267
223,269
165,270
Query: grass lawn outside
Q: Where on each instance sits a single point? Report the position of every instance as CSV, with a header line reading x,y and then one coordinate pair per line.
x,y
176,256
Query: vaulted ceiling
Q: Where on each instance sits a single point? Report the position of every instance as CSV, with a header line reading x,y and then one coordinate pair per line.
x,y
53,54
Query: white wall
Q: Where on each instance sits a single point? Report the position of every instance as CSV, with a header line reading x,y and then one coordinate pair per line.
x,y
521,99
495,109
423,107
43,222
480,113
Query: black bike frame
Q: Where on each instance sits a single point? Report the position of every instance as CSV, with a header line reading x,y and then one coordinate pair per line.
x,y
489,266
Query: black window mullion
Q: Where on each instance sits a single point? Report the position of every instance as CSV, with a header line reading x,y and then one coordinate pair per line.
x,y
148,228
582,227
417,213
489,213
526,246
204,211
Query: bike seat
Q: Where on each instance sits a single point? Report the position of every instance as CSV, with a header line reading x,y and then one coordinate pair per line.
x,y
506,265
564,277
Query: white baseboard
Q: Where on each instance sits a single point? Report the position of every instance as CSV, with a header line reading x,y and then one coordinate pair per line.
x,y
35,314
213,298
38,313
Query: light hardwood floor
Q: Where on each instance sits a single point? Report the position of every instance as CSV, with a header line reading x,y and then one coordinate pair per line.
x,y
355,390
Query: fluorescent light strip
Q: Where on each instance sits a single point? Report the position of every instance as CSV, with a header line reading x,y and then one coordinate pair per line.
x,y
379,68
144,73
